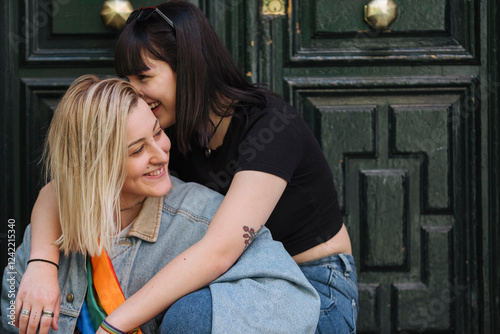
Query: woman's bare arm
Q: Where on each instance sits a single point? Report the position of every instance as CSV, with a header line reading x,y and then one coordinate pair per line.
x,y
249,202
39,288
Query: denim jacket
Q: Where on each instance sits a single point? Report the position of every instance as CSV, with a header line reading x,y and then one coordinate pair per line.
x,y
263,292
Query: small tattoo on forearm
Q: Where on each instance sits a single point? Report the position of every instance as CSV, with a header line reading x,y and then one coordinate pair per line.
x,y
250,234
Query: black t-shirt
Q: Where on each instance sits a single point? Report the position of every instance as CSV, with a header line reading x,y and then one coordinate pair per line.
x,y
274,140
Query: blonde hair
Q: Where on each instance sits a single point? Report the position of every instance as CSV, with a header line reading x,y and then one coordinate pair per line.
x,y
85,155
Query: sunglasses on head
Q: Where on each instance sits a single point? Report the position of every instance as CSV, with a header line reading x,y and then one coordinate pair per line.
x,y
142,14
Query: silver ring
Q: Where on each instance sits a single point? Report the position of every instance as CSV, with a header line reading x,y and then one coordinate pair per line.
x,y
47,314
26,312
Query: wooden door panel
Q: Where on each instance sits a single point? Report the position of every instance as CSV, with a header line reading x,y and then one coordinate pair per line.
x,y
422,132
46,39
396,147
324,31
383,219
57,32
346,16
39,98
429,303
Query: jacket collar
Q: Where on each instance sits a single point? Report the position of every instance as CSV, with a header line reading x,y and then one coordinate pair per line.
x,y
147,223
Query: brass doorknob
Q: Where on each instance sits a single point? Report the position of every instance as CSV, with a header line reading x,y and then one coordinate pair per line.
x,y
381,13
114,13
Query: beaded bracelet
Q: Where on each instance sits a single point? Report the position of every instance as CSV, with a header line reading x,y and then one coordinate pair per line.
x,y
110,329
42,260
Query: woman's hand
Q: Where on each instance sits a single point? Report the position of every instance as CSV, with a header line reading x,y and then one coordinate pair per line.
x,y
38,292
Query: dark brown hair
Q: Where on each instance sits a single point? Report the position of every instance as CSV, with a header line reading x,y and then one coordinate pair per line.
x,y
206,74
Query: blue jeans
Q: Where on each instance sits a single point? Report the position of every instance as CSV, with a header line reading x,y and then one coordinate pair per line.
x,y
190,314
334,277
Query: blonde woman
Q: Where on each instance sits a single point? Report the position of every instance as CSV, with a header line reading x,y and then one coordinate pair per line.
x,y
123,219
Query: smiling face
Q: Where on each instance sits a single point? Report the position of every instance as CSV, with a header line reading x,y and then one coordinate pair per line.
x,y
147,162
157,87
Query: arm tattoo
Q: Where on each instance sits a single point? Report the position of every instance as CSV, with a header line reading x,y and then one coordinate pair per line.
x,y
250,234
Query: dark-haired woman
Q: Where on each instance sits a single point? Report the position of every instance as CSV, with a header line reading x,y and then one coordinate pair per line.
x,y
243,141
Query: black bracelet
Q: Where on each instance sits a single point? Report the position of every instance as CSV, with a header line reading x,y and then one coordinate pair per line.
x,y
42,260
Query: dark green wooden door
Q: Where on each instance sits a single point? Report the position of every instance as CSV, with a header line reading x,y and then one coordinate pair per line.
x,y
407,118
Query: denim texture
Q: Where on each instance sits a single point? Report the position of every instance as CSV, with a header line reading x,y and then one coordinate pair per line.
x,y
190,314
263,292
334,277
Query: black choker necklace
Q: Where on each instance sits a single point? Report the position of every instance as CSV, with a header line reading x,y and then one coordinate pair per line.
x,y
208,151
